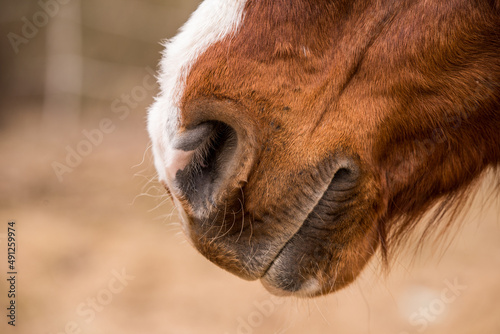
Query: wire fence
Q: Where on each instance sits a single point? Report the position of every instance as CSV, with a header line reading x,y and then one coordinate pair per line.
x,y
68,56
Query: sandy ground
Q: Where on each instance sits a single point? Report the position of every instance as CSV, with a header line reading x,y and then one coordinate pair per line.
x,y
100,252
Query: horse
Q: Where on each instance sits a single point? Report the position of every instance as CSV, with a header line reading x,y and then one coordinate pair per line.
x,y
299,138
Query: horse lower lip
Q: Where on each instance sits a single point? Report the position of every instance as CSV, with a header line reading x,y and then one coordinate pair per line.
x,y
274,259
230,253
284,245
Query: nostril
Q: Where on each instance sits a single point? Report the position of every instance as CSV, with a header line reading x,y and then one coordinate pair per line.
x,y
180,154
343,179
191,139
346,177
216,146
213,145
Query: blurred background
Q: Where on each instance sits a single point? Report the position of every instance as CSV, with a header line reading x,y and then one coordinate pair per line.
x,y
99,249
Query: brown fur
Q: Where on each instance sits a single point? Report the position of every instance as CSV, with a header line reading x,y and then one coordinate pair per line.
x,y
407,89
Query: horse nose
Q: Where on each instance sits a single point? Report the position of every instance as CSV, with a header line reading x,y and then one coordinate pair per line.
x,y
203,162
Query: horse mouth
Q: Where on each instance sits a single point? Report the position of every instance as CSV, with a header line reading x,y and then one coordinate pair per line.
x,y
304,263
294,285
296,270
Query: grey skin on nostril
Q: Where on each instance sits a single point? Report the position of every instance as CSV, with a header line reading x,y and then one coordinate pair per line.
x,y
191,139
211,146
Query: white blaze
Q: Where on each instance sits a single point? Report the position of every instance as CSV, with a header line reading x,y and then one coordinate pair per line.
x,y
210,23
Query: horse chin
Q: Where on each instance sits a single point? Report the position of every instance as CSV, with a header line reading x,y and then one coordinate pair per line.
x,y
282,278
304,269
313,262
300,253
310,288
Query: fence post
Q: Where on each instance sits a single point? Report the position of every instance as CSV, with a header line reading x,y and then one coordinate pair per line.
x,y
64,68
